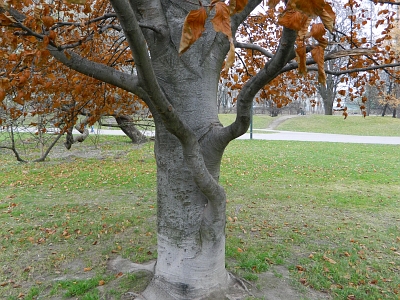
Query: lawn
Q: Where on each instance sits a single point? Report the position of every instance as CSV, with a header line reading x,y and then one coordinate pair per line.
x,y
328,212
354,125
259,121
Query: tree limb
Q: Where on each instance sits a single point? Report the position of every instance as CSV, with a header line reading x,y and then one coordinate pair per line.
x,y
271,70
254,47
387,2
97,70
356,70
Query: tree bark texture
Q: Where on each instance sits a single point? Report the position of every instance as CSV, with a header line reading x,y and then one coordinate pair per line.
x,y
191,227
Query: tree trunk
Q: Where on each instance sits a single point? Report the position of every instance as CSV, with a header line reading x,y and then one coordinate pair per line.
x,y
328,105
127,126
190,226
328,92
191,230
191,241
327,96
384,109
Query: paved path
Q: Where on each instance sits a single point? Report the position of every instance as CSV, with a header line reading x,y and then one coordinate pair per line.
x,y
276,135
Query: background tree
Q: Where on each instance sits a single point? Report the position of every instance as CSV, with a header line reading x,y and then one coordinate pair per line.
x,y
178,49
357,49
40,94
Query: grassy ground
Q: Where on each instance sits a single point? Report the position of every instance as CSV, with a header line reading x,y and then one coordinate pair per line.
x,y
355,125
328,212
259,121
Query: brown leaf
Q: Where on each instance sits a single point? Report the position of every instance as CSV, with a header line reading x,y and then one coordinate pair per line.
x,y
309,7
328,17
52,35
317,31
303,281
318,55
293,20
6,20
236,6
13,57
193,27
2,95
300,268
301,57
87,269
330,260
222,20
67,54
102,282
48,21
231,56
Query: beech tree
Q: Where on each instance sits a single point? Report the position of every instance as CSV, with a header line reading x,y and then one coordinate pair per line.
x,y
177,49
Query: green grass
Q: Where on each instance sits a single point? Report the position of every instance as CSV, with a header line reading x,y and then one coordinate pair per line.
x,y
259,121
329,212
354,125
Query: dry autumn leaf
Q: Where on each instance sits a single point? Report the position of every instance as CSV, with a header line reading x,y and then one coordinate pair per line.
x,y
330,260
301,57
231,56
48,21
222,20
317,31
293,20
236,6
309,7
6,20
328,17
318,55
193,27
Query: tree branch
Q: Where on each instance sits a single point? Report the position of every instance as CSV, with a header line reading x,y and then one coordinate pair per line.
x,y
271,70
254,47
387,2
99,71
356,70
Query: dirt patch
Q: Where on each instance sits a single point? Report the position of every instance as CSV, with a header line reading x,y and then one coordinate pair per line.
x,y
276,284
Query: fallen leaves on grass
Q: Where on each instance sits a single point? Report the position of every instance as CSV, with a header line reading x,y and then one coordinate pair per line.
x,y
330,260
